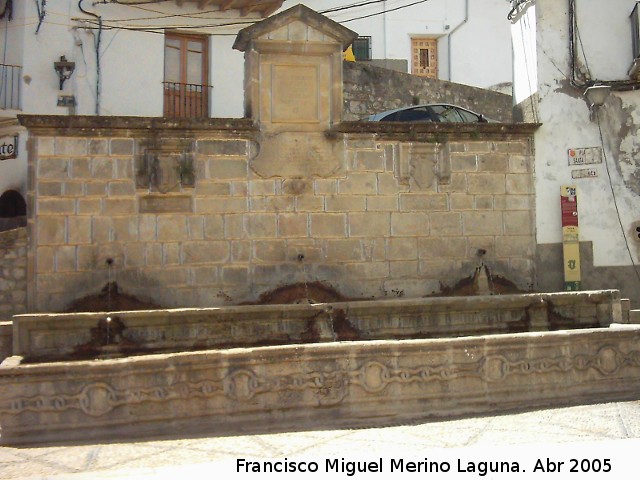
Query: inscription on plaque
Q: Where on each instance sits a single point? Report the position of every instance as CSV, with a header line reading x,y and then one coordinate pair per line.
x,y
298,155
294,93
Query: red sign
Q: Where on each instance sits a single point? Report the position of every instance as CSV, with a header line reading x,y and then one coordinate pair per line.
x,y
569,205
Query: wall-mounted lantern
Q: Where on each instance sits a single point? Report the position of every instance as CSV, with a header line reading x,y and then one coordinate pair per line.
x,y
596,96
64,69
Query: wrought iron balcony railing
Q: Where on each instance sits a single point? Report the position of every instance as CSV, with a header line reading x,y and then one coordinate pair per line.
x,y
10,76
186,100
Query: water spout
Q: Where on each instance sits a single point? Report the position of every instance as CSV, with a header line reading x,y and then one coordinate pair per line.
x,y
300,258
109,282
329,311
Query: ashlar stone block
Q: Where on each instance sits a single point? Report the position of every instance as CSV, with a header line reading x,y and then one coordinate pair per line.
x,y
172,228
344,250
360,183
482,223
70,146
445,223
486,183
52,230
205,252
260,225
293,225
402,248
370,224
328,224
409,224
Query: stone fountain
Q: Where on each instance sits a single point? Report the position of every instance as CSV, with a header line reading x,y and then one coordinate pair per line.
x,y
390,215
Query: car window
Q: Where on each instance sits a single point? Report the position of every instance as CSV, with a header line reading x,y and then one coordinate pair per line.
x,y
468,116
417,114
446,113
392,117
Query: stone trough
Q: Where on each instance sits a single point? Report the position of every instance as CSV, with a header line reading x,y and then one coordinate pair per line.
x,y
301,385
55,337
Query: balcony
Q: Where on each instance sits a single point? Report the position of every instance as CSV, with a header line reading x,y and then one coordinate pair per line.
x,y
10,76
186,100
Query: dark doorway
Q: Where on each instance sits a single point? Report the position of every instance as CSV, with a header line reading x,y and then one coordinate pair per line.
x,y
13,210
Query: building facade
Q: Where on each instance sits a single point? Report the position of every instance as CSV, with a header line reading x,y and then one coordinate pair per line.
x,y
564,52
122,58
174,58
441,39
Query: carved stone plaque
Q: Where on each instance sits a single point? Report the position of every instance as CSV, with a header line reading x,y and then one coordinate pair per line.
x,y
294,96
165,204
298,155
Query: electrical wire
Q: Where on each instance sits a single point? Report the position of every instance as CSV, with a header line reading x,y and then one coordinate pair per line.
x,y
132,4
382,12
111,24
7,11
573,33
97,40
618,85
41,7
534,113
615,201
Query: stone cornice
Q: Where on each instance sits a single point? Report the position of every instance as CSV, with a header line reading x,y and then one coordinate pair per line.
x,y
301,13
436,131
97,126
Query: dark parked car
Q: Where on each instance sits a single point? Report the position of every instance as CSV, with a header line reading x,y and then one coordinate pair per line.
x,y
437,112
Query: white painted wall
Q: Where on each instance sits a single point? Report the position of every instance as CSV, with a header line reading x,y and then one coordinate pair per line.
x,y
480,47
132,62
525,56
606,36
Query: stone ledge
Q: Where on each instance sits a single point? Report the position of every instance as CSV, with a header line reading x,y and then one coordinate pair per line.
x,y
120,126
436,132
56,336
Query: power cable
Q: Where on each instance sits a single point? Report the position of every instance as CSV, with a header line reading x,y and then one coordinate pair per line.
x,y
153,28
573,33
615,201
384,11
97,40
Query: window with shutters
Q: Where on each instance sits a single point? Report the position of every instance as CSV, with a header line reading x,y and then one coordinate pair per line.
x,y
186,75
362,48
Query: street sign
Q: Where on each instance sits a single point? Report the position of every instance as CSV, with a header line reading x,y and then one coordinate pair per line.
x,y
584,173
584,156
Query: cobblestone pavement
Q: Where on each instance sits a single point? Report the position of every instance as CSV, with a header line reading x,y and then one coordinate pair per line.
x,y
165,458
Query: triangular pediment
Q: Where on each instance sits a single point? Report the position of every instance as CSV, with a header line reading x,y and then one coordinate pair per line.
x,y
299,23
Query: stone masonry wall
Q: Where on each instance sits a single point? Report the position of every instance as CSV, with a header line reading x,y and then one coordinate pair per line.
x,y
13,272
403,218
369,90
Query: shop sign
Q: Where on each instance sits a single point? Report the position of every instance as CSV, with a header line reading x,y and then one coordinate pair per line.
x,y
8,147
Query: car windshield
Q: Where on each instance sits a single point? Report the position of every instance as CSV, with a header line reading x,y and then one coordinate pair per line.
x,y
432,113
447,113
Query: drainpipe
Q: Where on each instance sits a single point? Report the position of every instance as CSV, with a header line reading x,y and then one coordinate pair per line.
x,y
450,34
